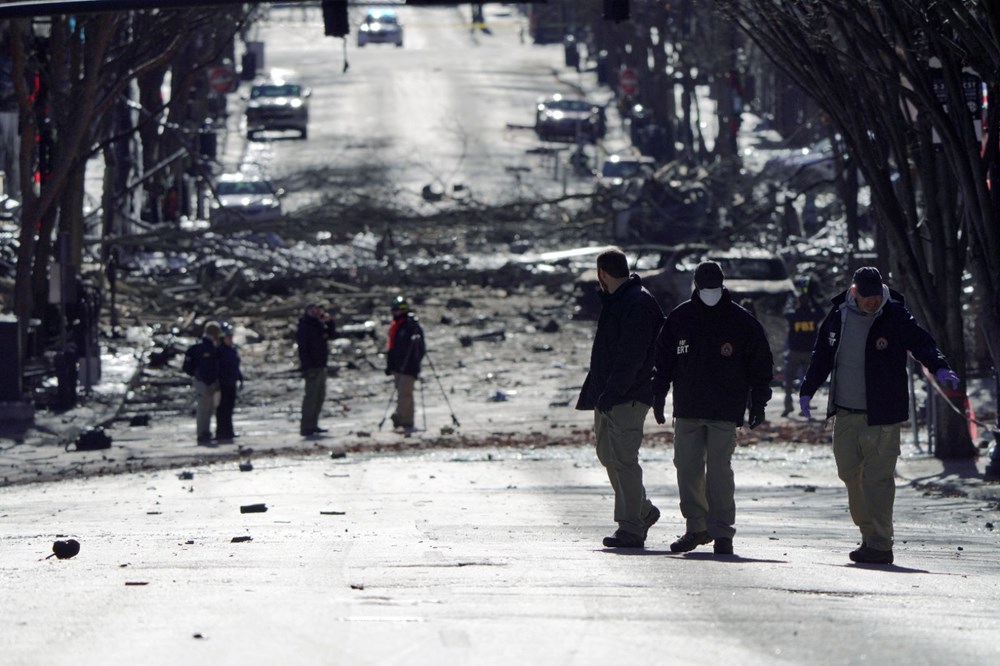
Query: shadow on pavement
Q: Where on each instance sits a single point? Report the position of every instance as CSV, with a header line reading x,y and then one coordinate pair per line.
x,y
888,568
735,559
708,557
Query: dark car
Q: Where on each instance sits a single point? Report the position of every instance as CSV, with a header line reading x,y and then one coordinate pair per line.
x,y
753,276
278,105
381,26
561,118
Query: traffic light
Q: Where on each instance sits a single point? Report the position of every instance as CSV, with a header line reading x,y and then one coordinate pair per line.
x,y
616,10
335,23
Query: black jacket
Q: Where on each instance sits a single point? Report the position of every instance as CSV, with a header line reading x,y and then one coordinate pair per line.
x,y
229,366
893,333
206,356
717,359
621,359
407,347
803,322
312,336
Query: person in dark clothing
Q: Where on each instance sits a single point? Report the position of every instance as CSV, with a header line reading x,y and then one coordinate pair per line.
x,y
230,376
206,379
315,329
716,356
402,361
619,390
863,343
804,318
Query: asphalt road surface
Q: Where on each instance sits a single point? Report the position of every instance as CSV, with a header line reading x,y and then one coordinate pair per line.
x,y
486,556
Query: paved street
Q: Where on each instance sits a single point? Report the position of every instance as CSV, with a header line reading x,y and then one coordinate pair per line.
x,y
479,544
487,556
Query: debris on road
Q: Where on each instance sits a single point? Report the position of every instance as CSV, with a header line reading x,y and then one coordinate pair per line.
x,y
64,550
253,508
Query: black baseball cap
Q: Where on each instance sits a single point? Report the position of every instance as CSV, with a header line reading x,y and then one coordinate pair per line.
x,y
868,281
708,275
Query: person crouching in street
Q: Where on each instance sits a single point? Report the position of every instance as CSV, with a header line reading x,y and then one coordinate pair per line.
x,y
864,342
230,376
716,356
206,380
618,388
405,352
315,329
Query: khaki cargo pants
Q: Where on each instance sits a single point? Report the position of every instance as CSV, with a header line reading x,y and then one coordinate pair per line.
x,y
866,463
703,454
619,436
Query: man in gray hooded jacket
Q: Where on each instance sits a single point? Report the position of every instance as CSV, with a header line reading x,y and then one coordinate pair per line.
x,y
863,343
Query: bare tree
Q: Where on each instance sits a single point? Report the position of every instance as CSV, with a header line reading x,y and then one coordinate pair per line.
x,y
80,68
890,75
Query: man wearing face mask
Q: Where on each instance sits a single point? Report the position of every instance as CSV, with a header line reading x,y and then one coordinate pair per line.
x,y
716,356
619,390
863,343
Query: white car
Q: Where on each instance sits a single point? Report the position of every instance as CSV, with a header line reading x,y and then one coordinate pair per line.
x,y
245,198
381,26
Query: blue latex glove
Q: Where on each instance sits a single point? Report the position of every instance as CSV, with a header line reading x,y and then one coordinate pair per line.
x,y
804,406
945,376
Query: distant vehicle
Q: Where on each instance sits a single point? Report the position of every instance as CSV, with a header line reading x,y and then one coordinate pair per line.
x,y
806,167
381,26
751,273
618,169
245,198
561,118
278,105
620,180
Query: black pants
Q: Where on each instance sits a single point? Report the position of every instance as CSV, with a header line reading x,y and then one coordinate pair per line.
x,y
224,412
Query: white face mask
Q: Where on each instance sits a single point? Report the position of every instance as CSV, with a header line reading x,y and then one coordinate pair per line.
x,y
710,296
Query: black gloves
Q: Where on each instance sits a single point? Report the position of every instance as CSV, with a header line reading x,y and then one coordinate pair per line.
x,y
659,401
756,418
606,402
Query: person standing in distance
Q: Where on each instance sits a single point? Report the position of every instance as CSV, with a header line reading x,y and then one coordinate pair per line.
x,y
315,329
402,361
716,356
206,379
618,388
863,344
804,318
230,376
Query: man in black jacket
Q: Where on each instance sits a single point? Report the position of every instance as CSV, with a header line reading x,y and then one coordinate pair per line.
x,y
206,379
864,342
716,356
618,388
402,360
316,327
230,376
804,318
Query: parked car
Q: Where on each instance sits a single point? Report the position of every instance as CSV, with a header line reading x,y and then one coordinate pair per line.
x,y
242,197
278,105
561,118
618,184
804,168
752,275
381,26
